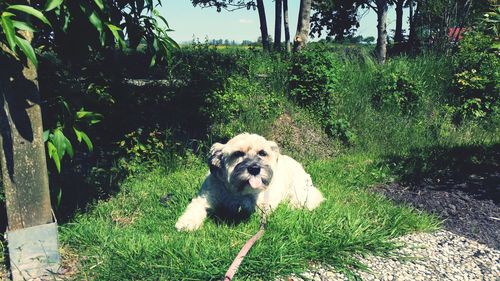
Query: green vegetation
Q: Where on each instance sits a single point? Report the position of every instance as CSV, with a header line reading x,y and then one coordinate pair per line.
x,y
132,236
145,111
382,122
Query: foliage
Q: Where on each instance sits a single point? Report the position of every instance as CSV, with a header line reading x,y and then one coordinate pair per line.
x,y
229,5
231,110
433,19
476,81
338,18
314,76
13,24
340,129
64,24
58,144
490,23
397,90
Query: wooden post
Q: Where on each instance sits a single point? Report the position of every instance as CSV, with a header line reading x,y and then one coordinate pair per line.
x,y
32,235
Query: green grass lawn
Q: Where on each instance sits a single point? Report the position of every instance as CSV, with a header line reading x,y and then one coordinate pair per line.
x,y
132,236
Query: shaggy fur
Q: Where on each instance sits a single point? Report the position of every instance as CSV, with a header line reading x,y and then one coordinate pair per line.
x,y
246,173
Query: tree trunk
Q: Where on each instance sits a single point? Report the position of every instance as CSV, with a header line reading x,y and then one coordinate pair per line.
x,y
287,26
263,25
381,49
411,36
22,154
302,33
277,25
398,36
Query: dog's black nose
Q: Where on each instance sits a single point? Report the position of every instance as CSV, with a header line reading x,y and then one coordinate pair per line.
x,y
254,170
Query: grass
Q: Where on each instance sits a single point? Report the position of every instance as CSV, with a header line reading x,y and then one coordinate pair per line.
x,y
132,236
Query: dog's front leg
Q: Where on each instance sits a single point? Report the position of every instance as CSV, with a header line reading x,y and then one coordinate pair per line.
x,y
195,214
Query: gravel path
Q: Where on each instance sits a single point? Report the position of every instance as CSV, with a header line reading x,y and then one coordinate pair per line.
x,y
442,255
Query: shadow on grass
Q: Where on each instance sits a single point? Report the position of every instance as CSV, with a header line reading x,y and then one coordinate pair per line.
x,y
472,169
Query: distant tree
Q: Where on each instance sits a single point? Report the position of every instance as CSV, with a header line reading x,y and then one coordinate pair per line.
x,y
303,22
287,26
368,40
277,25
338,18
232,5
380,7
431,21
398,35
266,45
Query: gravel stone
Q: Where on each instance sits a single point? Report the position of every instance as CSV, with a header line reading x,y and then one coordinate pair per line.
x,y
438,256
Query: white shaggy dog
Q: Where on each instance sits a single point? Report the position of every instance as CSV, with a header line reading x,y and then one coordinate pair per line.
x,y
248,172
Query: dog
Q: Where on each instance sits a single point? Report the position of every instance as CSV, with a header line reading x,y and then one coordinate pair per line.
x,y
249,173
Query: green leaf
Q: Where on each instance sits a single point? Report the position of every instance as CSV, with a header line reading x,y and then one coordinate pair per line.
x,y
59,141
157,14
95,21
59,197
52,4
99,4
53,155
31,11
23,25
68,147
92,117
114,30
171,42
27,50
82,136
8,29
46,134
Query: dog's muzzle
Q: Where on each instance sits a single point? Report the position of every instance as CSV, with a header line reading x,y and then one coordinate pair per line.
x,y
253,173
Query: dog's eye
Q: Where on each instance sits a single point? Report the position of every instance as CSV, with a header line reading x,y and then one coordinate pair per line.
x,y
262,153
238,154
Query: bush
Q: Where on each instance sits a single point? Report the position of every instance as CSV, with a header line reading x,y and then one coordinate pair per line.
x,y
242,105
314,77
341,130
475,86
397,89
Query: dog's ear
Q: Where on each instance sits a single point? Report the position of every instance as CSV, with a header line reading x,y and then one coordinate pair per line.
x,y
215,157
274,147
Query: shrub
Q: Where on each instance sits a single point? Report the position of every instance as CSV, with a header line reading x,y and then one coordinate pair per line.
x,y
396,89
242,105
341,130
475,86
313,78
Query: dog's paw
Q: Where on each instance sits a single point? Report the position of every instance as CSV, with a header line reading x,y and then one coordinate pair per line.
x,y
187,224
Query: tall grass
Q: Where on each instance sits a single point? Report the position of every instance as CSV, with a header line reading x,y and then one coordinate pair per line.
x,y
388,132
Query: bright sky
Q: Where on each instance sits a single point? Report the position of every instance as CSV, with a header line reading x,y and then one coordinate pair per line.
x,y
194,22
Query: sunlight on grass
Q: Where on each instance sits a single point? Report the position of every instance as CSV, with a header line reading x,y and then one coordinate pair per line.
x,y
132,236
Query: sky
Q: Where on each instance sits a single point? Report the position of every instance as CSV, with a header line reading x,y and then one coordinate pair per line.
x,y
198,23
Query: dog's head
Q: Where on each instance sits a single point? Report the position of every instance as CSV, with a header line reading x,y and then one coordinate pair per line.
x,y
245,163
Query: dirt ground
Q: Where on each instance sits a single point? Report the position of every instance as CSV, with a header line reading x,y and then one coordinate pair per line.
x,y
468,204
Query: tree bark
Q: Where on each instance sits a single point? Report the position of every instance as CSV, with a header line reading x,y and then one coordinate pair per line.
x,y
381,48
277,25
22,153
302,33
287,26
411,36
263,25
398,36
